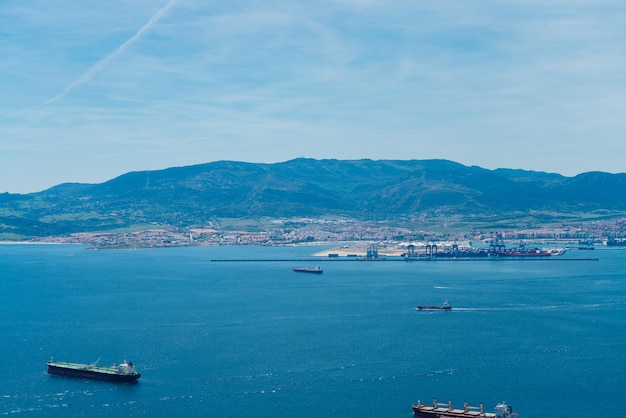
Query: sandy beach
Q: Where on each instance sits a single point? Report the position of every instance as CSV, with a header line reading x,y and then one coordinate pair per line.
x,y
359,251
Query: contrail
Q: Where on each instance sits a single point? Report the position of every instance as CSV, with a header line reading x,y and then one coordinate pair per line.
x,y
104,61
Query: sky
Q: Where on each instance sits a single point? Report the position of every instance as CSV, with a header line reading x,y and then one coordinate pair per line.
x,y
92,89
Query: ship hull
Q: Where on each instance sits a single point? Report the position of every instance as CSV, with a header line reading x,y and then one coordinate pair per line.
x,y
430,412
308,270
445,410
523,254
95,375
434,308
445,307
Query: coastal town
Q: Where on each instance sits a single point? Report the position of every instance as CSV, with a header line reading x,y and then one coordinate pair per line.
x,y
388,239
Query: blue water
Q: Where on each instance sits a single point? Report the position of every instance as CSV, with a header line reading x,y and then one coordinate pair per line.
x,y
254,339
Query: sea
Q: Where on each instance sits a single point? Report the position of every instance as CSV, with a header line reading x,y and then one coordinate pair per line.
x,y
232,331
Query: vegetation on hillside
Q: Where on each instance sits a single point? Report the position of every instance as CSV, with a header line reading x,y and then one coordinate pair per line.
x,y
424,192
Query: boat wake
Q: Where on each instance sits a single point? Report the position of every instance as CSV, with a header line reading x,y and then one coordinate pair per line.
x,y
536,308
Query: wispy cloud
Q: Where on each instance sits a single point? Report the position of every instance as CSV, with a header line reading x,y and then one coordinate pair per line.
x,y
490,83
98,66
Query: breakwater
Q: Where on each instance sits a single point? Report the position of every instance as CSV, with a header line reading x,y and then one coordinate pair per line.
x,y
403,259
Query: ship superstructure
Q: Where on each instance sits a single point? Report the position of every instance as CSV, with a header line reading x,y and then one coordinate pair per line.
x,y
446,410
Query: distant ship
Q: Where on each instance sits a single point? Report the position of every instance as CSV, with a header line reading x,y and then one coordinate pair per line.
x,y
446,306
616,242
125,372
527,252
315,270
445,410
498,249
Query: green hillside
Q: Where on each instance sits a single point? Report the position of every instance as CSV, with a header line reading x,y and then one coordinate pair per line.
x,y
385,190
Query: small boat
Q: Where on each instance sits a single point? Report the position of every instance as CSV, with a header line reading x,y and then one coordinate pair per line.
x,y
314,270
125,372
446,306
445,410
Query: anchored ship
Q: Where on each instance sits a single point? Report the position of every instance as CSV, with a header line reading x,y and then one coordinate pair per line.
x,y
498,249
315,270
615,242
125,372
445,410
446,306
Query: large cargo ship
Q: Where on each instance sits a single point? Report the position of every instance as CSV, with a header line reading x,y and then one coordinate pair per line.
x,y
125,372
445,410
498,249
527,252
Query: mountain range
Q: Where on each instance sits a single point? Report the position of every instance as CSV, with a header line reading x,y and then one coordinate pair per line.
x,y
373,190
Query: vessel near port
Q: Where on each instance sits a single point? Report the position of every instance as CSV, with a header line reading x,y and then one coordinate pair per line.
x,y
616,242
496,249
445,410
314,270
125,372
446,306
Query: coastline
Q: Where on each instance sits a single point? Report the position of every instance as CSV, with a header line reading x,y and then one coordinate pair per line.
x,y
30,243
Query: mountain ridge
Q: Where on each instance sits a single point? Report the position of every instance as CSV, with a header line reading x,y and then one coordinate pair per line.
x,y
389,190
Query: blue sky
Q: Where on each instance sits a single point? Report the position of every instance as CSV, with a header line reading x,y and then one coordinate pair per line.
x,y
91,89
